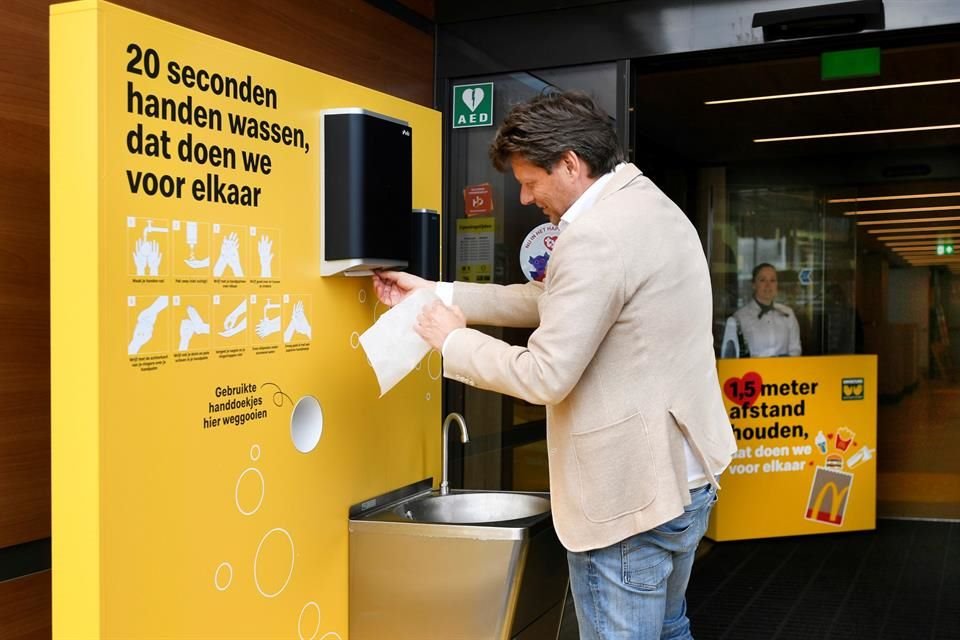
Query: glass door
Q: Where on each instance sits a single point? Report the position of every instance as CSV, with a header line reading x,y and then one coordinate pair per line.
x,y
485,232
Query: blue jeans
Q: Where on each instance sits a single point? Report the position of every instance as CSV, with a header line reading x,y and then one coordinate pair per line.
x,y
635,589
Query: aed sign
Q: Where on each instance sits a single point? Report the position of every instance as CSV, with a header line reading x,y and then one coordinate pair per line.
x,y
473,105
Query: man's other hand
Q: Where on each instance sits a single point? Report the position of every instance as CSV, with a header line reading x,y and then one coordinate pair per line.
x,y
436,321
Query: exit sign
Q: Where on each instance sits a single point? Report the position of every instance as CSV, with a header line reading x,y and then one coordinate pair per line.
x,y
852,63
945,249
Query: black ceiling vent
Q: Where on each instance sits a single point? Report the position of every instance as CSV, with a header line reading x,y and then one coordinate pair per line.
x,y
822,20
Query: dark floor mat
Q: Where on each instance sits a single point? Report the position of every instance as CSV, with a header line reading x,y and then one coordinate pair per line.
x,y
899,582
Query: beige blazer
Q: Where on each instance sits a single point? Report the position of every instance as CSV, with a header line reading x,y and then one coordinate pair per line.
x,y
622,357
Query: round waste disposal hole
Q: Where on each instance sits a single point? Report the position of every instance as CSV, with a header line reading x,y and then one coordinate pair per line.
x,y
306,424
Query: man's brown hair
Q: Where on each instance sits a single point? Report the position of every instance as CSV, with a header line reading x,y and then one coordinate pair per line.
x,y
542,129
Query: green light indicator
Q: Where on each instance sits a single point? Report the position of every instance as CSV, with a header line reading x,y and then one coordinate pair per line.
x,y
948,249
853,63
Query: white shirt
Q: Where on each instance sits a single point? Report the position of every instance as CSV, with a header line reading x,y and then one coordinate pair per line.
x,y
777,333
587,199
696,476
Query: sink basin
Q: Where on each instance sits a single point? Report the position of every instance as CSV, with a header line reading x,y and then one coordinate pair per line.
x,y
474,508
470,565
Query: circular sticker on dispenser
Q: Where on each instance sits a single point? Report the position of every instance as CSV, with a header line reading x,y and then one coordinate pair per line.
x,y
536,249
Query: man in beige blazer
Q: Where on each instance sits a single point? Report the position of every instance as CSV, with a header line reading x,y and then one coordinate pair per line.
x,y
621,355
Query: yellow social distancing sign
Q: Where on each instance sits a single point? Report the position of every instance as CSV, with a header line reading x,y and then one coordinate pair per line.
x,y
806,429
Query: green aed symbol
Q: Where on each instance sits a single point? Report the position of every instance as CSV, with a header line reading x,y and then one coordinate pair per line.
x,y
473,105
852,389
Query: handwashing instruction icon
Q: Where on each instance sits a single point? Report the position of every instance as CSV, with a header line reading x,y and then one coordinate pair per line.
x,y
147,241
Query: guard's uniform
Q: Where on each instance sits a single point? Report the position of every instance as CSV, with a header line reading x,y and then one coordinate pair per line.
x,y
776,333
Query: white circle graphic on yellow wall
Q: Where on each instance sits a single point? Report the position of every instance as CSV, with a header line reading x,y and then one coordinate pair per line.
x,y
306,424
223,576
273,562
310,606
431,366
249,493
255,452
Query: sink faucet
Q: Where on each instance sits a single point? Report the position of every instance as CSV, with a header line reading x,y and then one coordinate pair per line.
x,y
464,438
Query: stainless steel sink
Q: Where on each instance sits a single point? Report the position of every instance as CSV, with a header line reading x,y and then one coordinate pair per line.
x,y
470,565
475,508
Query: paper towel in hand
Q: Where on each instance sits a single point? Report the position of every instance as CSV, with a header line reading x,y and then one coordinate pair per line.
x,y
392,345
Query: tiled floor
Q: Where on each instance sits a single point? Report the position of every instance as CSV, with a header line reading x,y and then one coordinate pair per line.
x,y
898,582
918,448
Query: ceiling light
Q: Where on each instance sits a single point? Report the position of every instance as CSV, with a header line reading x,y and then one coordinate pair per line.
x,y
927,246
950,228
805,94
900,241
907,210
865,223
905,196
858,133
930,236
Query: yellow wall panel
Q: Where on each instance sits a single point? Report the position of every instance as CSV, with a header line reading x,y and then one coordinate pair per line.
x,y
171,518
74,331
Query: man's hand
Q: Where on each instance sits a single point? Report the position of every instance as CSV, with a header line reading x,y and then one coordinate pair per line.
x,y
436,321
392,287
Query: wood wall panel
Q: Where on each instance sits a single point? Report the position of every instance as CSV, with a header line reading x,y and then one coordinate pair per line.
x,y
24,274
25,607
425,8
349,39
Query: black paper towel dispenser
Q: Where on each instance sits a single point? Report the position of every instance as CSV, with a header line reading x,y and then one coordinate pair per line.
x,y
366,192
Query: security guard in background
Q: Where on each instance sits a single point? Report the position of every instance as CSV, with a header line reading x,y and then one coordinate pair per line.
x,y
762,328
